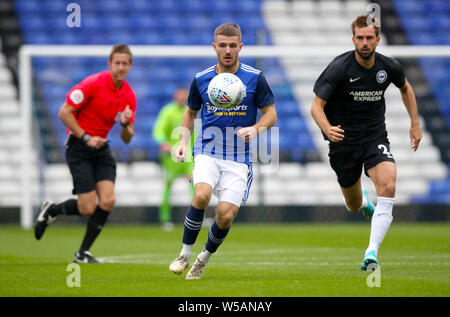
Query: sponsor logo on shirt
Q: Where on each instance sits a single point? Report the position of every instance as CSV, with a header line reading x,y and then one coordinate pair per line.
x,y
76,96
373,95
236,111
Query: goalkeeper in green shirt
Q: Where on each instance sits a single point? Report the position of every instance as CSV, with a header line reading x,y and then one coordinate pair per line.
x,y
169,118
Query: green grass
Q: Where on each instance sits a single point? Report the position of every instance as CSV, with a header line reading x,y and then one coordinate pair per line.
x,y
255,260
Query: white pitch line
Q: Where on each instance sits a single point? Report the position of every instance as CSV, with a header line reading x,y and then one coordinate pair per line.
x,y
158,259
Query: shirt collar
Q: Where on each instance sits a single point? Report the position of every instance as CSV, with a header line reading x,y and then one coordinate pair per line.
x,y
111,85
237,69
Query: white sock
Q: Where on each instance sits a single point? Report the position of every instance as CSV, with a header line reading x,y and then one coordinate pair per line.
x,y
186,250
381,220
204,256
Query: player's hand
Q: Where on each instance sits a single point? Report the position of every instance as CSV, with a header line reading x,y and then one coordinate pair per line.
x,y
247,134
180,153
335,134
126,115
165,147
415,135
96,142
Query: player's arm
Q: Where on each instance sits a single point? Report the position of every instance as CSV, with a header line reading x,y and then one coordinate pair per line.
x,y
127,130
187,126
67,116
409,99
264,100
334,133
267,120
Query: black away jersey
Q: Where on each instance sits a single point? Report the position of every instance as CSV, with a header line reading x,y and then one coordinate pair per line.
x,y
355,95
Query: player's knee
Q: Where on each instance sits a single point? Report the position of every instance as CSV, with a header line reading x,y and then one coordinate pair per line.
x,y
224,220
87,208
201,199
107,203
224,217
387,189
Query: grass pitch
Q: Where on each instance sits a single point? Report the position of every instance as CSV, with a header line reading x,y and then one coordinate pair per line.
x,y
295,260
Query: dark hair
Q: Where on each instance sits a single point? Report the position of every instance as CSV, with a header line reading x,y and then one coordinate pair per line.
x,y
228,29
366,20
121,48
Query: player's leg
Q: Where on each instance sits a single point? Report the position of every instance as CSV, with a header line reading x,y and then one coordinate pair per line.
x,y
233,187
225,213
205,177
170,173
165,208
356,199
104,176
49,211
192,225
97,220
379,165
384,177
82,171
347,163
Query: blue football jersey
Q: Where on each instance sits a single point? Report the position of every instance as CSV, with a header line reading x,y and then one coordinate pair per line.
x,y
218,137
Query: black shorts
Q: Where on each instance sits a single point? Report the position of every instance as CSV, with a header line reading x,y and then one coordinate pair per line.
x,y
347,160
88,165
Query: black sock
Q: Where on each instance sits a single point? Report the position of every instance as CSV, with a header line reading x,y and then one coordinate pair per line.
x,y
215,237
94,226
68,207
192,224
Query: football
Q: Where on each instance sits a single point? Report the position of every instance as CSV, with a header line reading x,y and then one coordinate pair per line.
x,y
226,91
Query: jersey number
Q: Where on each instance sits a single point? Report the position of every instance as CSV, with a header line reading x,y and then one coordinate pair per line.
x,y
385,150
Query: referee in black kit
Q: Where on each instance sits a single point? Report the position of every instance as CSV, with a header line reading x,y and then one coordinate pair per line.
x,y
349,108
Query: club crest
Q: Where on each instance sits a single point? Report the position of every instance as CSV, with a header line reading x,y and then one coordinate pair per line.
x,y
381,76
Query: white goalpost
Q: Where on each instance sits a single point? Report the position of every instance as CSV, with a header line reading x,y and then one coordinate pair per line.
x,y
28,52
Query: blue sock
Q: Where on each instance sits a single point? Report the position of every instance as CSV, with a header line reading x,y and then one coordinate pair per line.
x,y
215,237
192,224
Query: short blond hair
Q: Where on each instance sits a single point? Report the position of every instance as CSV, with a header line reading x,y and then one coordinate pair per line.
x,y
228,29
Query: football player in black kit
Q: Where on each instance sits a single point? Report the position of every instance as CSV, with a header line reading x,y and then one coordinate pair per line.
x,y
349,108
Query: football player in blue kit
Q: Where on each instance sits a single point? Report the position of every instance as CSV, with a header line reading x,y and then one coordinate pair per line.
x,y
349,108
222,152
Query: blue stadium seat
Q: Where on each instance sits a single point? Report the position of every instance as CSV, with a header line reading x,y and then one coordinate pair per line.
x,y
145,122
431,28
154,80
291,124
25,6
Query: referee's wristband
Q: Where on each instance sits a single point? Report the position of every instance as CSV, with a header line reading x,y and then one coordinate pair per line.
x,y
124,124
